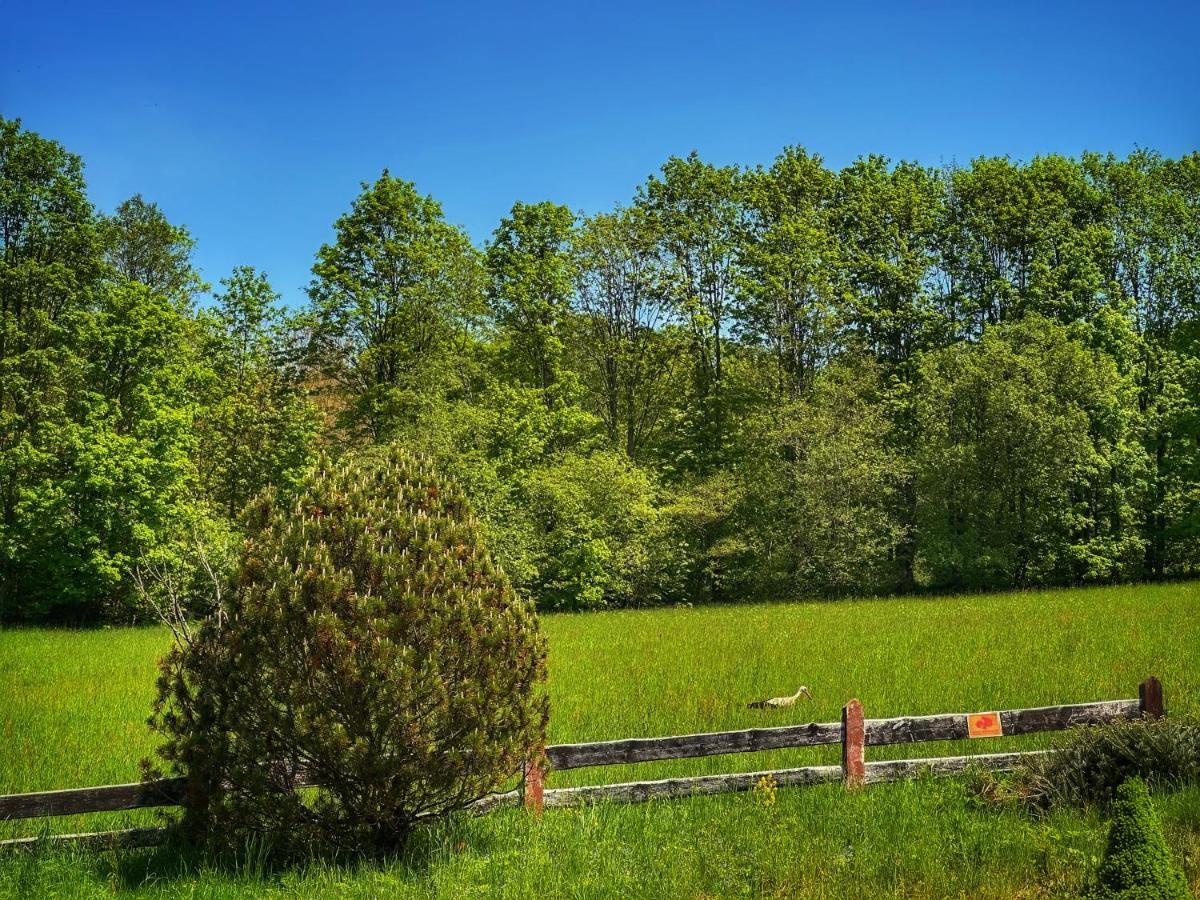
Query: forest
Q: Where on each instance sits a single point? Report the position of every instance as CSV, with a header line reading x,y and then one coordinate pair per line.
x,y
746,382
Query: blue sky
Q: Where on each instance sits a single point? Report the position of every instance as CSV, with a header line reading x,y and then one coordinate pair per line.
x,y
253,124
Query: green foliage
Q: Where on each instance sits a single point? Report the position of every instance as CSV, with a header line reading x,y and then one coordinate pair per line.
x,y
626,357
1094,761
593,518
142,246
257,428
1028,470
95,446
393,298
825,507
1137,864
699,212
371,643
532,268
131,479
1170,432
575,525
701,543
1025,239
886,220
48,273
792,287
490,447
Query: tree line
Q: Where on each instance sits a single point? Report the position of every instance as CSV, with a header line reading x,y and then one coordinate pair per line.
x,y
745,382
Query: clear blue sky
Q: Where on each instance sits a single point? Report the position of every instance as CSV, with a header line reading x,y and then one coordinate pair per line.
x,y
253,124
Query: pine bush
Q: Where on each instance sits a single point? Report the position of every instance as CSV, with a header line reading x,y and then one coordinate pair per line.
x,y
1137,863
1092,762
370,645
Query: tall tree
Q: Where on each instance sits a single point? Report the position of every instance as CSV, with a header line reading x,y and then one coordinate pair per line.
x,y
622,297
256,428
700,212
1028,467
532,268
1152,207
1023,239
394,298
130,483
793,267
142,246
49,274
886,220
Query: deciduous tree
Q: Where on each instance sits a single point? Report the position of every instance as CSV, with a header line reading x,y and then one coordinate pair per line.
x,y
394,298
532,266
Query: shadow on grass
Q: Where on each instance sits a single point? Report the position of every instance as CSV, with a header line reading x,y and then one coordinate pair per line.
x,y
177,862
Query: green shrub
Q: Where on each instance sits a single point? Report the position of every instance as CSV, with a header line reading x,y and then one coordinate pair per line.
x,y
1092,762
593,515
1137,864
371,644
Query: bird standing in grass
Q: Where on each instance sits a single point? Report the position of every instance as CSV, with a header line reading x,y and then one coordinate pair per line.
x,y
781,702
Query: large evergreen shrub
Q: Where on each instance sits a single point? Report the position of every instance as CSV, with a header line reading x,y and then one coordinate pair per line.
x,y
1137,863
371,645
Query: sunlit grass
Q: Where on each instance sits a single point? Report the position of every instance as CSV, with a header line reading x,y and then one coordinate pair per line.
x,y
73,705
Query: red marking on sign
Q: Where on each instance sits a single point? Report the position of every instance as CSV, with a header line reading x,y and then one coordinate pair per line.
x,y
984,725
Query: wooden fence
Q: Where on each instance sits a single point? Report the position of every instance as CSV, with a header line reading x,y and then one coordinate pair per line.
x,y
854,733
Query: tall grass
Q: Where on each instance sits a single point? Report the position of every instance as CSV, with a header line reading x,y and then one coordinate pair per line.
x,y
73,704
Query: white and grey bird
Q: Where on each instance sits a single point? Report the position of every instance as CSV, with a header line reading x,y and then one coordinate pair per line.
x,y
781,702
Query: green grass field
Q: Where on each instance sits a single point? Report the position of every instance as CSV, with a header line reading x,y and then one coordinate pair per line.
x,y
73,704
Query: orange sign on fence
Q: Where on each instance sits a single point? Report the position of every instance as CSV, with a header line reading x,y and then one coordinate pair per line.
x,y
984,725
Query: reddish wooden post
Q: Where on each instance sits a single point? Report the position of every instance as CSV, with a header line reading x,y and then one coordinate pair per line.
x,y
1151,699
533,777
853,739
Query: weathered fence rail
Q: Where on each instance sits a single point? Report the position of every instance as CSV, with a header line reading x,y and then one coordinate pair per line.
x,y
1012,721
854,733
109,798
638,750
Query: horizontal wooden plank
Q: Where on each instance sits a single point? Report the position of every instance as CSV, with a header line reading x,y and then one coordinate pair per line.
x,y
150,837
876,773
953,726
123,839
638,791
495,801
636,750
904,729
900,769
106,798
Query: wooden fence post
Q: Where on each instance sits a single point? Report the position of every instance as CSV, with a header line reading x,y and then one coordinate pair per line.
x,y
533,778
853,739
1150,697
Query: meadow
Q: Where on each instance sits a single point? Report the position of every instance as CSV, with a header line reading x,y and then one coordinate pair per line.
x,y
73,704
